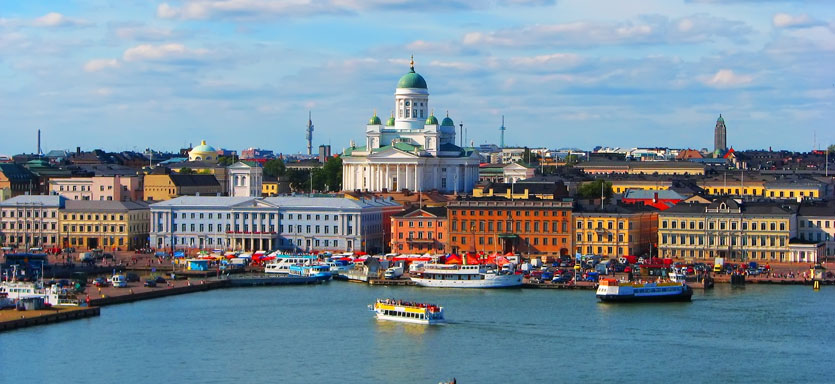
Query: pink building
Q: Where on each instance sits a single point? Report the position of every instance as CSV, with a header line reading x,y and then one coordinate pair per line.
x,y
115,188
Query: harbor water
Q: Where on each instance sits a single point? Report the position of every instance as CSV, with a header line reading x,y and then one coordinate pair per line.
x,y
325,334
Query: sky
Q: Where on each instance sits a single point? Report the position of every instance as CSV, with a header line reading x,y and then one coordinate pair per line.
x,y
133,74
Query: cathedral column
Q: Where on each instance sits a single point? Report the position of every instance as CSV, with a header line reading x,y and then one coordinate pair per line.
x,y
388,179
399,180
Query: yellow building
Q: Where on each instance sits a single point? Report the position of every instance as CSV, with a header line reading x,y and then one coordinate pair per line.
x,y
109,225
757,231
522,190
794,189
203,152
621,186
733,186
160,187
642,167
615,230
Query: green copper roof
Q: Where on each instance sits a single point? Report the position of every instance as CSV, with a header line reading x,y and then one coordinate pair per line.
x,y
447,122
374,120
720,118
390,122
431,120
412,80
399,145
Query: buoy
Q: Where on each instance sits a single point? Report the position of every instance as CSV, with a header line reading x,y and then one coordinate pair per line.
x,y
817,285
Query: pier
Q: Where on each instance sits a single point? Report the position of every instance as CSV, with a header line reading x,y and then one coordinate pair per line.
x,y
12,319
392,282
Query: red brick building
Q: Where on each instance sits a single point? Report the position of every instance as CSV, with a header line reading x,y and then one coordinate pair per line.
x,y
532,226
419,230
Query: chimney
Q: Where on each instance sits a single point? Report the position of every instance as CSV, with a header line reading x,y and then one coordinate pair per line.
x,y
655,197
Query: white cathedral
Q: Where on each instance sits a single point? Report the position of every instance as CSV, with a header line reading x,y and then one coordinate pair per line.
x,y
412,151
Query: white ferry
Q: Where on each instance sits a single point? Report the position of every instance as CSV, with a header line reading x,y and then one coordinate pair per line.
x,y
465,276
281,264
677,275
407,312
12,291
611,290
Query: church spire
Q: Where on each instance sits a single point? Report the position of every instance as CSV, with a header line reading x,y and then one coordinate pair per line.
x,y
412,63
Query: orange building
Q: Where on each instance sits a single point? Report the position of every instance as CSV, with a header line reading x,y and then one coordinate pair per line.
x,y
532,226
419,230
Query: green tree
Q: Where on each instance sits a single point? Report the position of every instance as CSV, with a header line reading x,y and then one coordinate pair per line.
x,y
332,173
299,179
225,161
592,190
275,168
831,148
186,171
571,160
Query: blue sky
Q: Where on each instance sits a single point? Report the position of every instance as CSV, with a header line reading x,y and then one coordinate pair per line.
x,y
131,74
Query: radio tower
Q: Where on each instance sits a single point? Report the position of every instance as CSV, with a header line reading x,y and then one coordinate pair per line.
x,y
309,135
502,129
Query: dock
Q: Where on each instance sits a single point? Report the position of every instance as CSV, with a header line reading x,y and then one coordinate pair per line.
x,y
578,285
392,282
254,281
13,319
111,296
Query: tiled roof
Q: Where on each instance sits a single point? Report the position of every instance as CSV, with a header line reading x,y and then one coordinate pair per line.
x,y
202,201
45,200
103,205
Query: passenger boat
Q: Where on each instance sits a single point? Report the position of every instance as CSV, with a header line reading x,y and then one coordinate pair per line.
x,y
465,276
281,264
5,301
407,312
611,290
15,290
677,275
321,272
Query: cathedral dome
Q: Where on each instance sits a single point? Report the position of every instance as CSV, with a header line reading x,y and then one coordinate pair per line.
x,y
432,120
412,79
203,152
390,122
374,120
447,122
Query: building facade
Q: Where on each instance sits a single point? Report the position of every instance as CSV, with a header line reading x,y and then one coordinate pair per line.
x,y
110,225
109,188
816,224
160,187
30,221
245,180
289,223
419,231
533,226
17,179
615,230
727,228
412,150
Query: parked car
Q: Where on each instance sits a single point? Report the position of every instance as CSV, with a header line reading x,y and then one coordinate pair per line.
x,y
107,256
150,283
160,280
547,276
100,282
753,272
562,278
132,277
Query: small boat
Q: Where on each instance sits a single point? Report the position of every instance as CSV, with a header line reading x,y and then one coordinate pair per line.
x,y
281,265
465,276
407,312
677,275
320,272
611,290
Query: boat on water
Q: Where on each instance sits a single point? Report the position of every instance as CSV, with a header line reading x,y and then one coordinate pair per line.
x,y
281,265
612,290
321,272
677,275
465,276
119,281
407,312
13,291
5,301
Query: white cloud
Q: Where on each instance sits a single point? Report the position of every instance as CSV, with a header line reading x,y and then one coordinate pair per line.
x,y
554,61
785,20
96,65
173,51
139,32
726,78
55,19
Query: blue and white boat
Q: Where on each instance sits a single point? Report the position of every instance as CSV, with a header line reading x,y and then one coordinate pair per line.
x,y
321,272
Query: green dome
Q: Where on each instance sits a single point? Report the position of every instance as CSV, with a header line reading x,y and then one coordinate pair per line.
x,y
374,120
431,120
412,80
390,122
720,118
447,122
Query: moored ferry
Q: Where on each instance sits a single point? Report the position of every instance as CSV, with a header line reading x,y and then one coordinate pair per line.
x,y
465,276
281,264
407,312
611,290
321,272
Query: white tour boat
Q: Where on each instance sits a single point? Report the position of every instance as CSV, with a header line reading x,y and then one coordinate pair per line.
x,y
465,276
611,290
281,264
407,312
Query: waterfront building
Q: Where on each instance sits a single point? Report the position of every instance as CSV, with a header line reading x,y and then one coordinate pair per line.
x,y
245,180
816,224
621,186
30,221
289,223
412,150
165,186
522,190
615,230
736,231
111,225
17,179
203,152
531,227
419,230
113,188
720,143
757,185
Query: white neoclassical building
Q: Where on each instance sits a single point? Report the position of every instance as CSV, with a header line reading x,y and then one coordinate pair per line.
x,y
411,151
245,180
